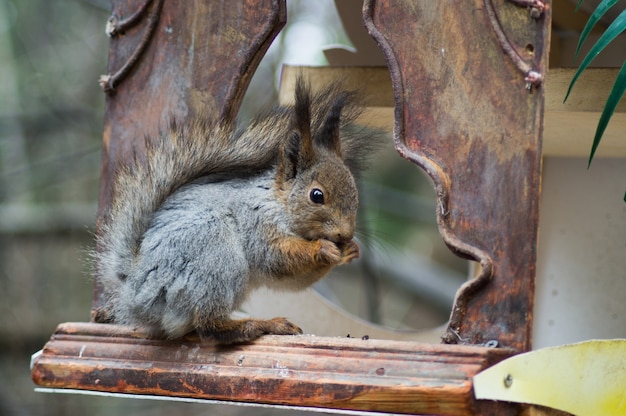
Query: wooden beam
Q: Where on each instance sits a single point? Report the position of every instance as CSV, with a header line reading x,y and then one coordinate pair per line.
x,y
589,94
565,17
337,373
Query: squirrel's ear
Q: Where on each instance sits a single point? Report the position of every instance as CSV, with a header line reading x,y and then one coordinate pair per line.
x,y
297,153
289,161
302,125
328,135
302,118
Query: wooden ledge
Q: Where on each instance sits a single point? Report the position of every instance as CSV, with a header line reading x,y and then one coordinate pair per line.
x,y
338,373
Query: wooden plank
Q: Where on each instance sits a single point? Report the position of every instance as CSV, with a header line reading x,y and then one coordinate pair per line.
x,y
570,134
338,373
589,93
570,126
373,82
566,18
565,133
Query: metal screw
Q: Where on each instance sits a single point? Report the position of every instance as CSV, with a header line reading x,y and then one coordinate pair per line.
x,y
508,381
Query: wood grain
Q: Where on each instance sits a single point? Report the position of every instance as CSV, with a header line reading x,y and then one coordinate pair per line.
x,y
338,373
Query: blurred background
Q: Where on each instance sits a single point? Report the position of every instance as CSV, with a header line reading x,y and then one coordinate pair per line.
x,y
51,117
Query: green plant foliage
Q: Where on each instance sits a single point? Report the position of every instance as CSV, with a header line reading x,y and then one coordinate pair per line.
x,y
619,87
597,14
616,94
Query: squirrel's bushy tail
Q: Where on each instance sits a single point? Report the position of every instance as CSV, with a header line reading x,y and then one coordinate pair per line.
x,y
179,155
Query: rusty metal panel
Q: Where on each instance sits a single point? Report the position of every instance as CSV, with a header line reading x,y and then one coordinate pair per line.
x,y
176,59
467,77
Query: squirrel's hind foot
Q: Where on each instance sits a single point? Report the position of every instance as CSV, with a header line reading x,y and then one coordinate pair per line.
x,y
102,315
241,331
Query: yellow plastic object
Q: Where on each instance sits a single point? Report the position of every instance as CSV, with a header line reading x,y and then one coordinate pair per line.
x,y
584,379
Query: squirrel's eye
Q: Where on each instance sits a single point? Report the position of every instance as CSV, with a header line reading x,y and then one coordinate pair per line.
x,y
317,196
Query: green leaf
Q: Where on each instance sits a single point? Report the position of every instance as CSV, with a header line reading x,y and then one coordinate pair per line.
x,y
580,2
597,14
616,94
617,27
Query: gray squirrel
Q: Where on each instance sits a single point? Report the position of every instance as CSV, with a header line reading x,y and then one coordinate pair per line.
x,y
216,212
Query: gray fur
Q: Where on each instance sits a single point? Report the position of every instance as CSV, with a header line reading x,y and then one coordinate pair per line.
x,y
215,213
183,275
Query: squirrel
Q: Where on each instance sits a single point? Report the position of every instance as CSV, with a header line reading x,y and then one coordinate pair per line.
x,y
215,212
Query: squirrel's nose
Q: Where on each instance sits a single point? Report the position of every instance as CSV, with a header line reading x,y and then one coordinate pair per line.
x,y
343,236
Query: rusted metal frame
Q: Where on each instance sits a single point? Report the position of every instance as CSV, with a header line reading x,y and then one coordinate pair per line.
x,y
494,307
333,373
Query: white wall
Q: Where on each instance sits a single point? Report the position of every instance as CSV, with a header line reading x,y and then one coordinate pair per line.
x,y
581,265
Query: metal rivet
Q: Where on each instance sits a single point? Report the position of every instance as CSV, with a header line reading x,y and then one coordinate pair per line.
x,y
508,381
535,12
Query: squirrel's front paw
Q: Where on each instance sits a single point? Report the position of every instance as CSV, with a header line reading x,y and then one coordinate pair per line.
x,y
350,251
335,254
328,253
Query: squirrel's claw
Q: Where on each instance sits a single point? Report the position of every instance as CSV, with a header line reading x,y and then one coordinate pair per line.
x,y
281,326
337,253
350,251
329,253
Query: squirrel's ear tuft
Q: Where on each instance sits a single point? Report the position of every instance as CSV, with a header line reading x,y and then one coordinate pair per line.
x,y
328,135
302,124
296,153
302,110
